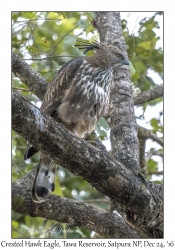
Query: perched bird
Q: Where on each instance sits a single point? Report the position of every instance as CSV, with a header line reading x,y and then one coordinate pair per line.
x,y
76,97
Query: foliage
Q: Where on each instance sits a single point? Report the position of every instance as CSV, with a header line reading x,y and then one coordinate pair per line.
x,y
45,40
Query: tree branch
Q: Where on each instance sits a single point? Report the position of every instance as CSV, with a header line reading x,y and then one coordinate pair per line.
x,y
148,134
36,83
155,173
104,173
77,213
47,58
148,95
152,152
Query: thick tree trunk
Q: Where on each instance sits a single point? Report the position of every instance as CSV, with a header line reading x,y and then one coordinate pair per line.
x,y
124,138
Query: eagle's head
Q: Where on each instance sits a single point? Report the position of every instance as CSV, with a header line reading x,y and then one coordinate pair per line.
x,y
106,56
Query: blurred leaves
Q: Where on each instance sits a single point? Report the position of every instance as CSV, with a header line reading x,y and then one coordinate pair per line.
x,y
132,69
151,165
143,52
101,128
146,57
155,123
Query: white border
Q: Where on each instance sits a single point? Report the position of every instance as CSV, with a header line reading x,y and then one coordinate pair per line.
x,y
5,95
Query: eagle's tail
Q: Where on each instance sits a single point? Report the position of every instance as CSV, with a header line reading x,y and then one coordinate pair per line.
x,y
30,152
44,181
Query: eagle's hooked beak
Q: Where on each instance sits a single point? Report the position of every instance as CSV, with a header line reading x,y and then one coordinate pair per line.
x,y
125,62
120,62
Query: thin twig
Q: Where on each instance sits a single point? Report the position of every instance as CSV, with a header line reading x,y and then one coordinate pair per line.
x,y
154,172
61,39
153,152
97,200
18,88
45,58
148,134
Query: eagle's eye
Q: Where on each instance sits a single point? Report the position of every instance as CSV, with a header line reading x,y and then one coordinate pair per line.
x,y
117,55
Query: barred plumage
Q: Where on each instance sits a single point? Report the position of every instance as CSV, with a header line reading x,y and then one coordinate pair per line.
x,y
77,97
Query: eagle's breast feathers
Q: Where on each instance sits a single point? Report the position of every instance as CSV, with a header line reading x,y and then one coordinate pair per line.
x,y
78,96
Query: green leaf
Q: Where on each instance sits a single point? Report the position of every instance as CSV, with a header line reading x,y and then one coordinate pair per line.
x,y
58,189
155,123
80,232
28,14
53,15
15,224
150,24
151,165
90,28
132,69
103,123
145,45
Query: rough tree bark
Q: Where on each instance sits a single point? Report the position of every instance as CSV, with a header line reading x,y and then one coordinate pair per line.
x,y
30,77
117,176
122,119
68,211
124,140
